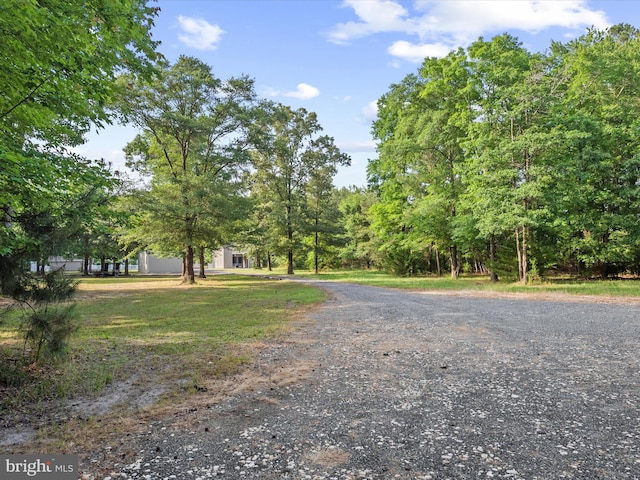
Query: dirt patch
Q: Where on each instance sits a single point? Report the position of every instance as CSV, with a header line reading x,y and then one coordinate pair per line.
x,y
16,436
135,393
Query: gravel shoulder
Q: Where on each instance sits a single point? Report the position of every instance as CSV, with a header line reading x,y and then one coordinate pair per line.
x,y
381,384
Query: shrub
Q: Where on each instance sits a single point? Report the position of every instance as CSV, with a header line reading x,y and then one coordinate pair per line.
x,y
46,316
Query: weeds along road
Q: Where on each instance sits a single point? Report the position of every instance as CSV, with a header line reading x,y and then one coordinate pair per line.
x,y
385,384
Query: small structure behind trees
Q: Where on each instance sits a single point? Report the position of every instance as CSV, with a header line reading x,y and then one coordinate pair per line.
x,y
231,257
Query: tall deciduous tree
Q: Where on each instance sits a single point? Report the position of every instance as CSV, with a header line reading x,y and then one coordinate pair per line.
x,y
392,174
289,154
58,60
354,204
194,138
421,155
323,212
508,171
600,110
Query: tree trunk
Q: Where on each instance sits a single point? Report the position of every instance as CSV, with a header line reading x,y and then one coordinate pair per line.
x,y
521,251
85,265
492,258
525,259
315,250
290,238
269,261
189,275
202,262
518,254
126,267
438,266
290,262
455,267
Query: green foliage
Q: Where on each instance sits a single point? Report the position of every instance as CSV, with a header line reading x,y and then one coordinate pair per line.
x,y
193,146
45,315
47,330
12,374
420,157
515,162
291,184
58,61
58,65
358,250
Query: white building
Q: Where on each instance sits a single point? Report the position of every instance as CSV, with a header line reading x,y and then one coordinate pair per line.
x,y
229,257
225,257
55,263
148,263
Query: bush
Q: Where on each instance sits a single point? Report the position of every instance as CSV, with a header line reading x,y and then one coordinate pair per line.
x,y
47,330
46,314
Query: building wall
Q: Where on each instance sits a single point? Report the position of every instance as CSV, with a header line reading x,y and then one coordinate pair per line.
x,y
228,257
222,258
55,263
148,263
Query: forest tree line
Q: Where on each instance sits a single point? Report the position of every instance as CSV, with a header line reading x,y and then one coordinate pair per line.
x,y
513,163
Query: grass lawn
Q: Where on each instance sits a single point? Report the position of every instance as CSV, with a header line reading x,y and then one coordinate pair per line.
x,y
564,285
172,333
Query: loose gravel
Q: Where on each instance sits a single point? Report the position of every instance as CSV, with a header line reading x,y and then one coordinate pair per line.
x,y
385,384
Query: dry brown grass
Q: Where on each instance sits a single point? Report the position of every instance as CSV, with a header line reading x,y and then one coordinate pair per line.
x,y
328,457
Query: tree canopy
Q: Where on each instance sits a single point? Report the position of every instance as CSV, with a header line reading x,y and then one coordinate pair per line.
x,y
514,162
58,63
59,60
193,144
291,159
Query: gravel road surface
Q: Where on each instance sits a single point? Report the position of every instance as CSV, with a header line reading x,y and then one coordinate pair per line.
x,y
384,384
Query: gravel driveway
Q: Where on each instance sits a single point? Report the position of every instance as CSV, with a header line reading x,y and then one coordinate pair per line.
x,y
383,384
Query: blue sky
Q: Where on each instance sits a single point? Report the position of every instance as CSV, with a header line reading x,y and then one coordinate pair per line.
x,y
338,57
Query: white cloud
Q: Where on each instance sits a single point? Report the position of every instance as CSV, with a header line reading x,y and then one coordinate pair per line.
x,y
443,25
467,19
110,155
270,92
199,34
303,91
417,52
370,110
376,15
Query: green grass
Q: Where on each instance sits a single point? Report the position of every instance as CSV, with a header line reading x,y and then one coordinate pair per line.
x,y
564,285
171,332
